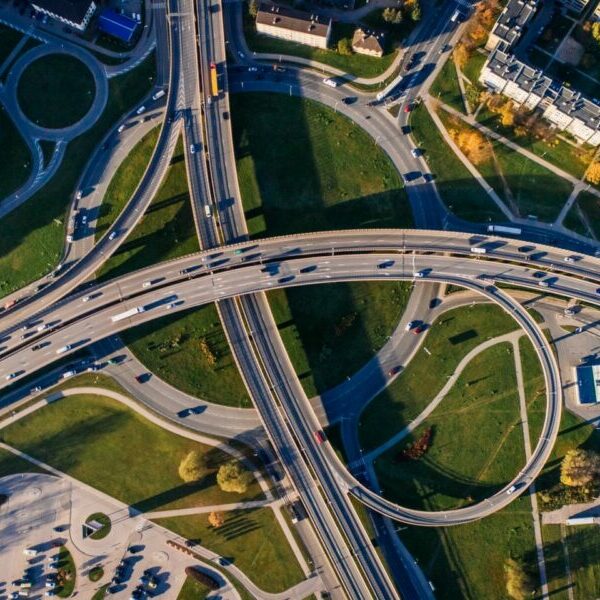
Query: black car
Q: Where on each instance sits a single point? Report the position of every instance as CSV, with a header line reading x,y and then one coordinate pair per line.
x,y
405,129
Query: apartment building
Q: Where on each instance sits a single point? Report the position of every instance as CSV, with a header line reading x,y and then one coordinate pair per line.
x,y
511,23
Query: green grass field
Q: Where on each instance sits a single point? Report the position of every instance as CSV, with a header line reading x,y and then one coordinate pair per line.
x,y
11,464
526,187
445,87
458,189
323,173
125,181
106,445
193,590
355,64
472,69
34,234
449,339
171,347
15,159
590,205
476,446
331,331
165,231
56,90
251,539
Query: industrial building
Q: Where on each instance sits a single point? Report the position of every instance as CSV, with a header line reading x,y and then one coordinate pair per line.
x,y
116,25
75,13
588,383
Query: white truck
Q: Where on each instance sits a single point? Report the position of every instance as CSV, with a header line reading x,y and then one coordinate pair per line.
x,y
330,82
504,229
478,250
128,313
158,95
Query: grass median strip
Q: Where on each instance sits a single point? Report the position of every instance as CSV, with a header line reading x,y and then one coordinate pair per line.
x,y
15,158
251,539
107,445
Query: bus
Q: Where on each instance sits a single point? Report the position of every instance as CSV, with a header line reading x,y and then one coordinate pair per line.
x,y
214,82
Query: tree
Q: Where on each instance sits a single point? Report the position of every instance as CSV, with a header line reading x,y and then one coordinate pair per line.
x,y
593,173
461,55
519,584
507,114
389,14
192,467
253,8
415,13
579,467
596,31
344,47
216,519
232,477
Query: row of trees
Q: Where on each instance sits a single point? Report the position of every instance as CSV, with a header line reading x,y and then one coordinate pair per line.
x,y
411,9
231,476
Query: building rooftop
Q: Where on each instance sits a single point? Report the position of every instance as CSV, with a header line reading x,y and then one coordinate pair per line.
x,y
71,10
513,19
526,77
588,384
574,104
294,20
117,25
369,40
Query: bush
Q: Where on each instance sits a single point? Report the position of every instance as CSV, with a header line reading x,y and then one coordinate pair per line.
x,y
191,468
418,448
519,583
344,47
203,578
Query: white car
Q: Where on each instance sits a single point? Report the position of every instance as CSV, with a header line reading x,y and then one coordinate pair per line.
x,y
416,152
113,235
252,69
170,305
193,148
241,54
511,489
121,128
85,299
43,327
410,326
8,378
78,195
140,110
35,390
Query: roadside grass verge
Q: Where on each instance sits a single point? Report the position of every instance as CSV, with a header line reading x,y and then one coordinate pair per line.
x,y
33,235
125,181
445,87
449,339
251,539
165,231
9,38
189,351
458,189
11,464
110,447
323,173
574,222
330,331
358,65
521,183
193,590
56,90
15,158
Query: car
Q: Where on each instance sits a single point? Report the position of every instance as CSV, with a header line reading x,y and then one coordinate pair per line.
x,y
408,108
252,69
140,110
78,196
86,298
241,54
146,284
50,584
193,148
416,152
349,99
170,305
42,327
524,249
121,128
394,371
38,346
50,593
8,378
93,368
417,330
420,274
569,312
223,561
410,325
225,115
35,390
511,489
386,264
569,259
543,283
405,129
113,235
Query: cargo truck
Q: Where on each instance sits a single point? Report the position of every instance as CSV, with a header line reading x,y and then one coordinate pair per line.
x,y
128,313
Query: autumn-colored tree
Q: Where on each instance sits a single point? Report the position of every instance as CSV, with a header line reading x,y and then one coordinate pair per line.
x,y
344,47
461,55
593,173
253,8
579,467
191,468
473,144
507,114
595,31
216,519
519,584
232,477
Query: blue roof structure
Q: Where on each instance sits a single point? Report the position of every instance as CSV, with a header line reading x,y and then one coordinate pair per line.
x,y
117,25
588,384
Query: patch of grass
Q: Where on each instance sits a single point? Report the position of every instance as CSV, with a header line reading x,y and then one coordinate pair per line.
x,y
358,65
476,446
535,389
302,167
103,520
110,447
554,558
189,350
165,231
99,595
125,181
56,90
330,331
11,464
467,561
66,567
9,38
472,69
15,159
458,189
251,539
33,235
572,159
448,340
584,560
574,222
526,187
590,206
193,590
446,89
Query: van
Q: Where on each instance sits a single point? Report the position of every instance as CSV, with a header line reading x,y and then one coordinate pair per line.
x,y
67,374
63,349
30,552
207,211
158,95
140,110
477,250
330,82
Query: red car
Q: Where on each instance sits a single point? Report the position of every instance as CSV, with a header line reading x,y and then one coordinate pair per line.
x,y
408,108
319,437
417,330
394,371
